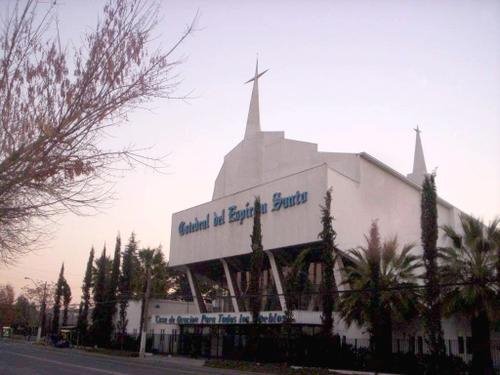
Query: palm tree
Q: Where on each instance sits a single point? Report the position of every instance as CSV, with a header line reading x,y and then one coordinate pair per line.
x,y
469,263
297,284
383,283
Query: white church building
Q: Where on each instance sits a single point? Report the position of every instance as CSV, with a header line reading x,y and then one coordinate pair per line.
x,y
211,241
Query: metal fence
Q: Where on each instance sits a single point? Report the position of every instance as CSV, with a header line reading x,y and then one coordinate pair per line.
x,y
214,343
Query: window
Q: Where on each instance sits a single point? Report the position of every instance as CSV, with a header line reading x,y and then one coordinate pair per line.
x,y
460,345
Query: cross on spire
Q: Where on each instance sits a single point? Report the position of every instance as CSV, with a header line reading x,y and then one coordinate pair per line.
x,y
419,167
253,120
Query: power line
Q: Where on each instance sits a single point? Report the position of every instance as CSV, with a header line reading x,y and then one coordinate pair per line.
x,y
131,295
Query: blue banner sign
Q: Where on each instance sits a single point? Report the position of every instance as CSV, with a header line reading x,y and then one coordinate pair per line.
x,y
237,214
222,318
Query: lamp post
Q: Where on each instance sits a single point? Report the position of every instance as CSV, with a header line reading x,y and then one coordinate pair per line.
x,y
42,308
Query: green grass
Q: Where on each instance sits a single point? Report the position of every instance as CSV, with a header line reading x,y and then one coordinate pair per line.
x,y
268,368
120,353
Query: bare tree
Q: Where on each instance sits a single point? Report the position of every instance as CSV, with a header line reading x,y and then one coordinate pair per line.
x,y
55,105
36,293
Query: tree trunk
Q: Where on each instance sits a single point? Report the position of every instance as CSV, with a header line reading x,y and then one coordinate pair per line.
x,y
144,318
482,362
381,340
386,340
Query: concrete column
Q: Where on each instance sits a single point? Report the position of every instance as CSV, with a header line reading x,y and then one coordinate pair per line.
x,y
338,266
231,285
277,279
195,291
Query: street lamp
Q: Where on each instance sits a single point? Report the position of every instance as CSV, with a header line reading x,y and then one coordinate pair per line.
x,y
42,308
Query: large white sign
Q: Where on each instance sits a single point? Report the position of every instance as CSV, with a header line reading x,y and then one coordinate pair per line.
x,y
267,317
290,209
270,317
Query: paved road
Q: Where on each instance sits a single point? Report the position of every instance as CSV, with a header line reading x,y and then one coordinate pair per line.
x,y
21,358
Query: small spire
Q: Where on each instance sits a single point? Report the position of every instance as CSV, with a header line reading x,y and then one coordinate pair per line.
x,y
253,120
419,167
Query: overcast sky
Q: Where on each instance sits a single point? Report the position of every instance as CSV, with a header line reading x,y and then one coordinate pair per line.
x,y
350,76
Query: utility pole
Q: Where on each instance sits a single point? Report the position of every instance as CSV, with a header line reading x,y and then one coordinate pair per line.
x,y
41,319
142,347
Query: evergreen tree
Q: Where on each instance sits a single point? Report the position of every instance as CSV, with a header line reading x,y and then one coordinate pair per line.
x,y
256,263
112,287
254,290
57,300
159,275
99,294
429,235
83,312
328,285
25,313
125,284
66,300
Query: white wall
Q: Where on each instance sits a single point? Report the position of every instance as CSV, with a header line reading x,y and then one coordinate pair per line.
x,y
133,317
381,196
156,307
364,189
285,227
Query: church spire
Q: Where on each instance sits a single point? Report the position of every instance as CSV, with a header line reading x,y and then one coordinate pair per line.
x,y
419,168
253,120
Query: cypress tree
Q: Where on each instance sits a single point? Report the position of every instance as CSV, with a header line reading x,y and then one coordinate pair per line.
x,y
328,286
112,287
83,312
66,300
125,284
429,235
57,301
256,263
99,293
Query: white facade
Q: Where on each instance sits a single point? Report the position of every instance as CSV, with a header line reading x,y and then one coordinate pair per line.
x,y
265,163
292,225
157,307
